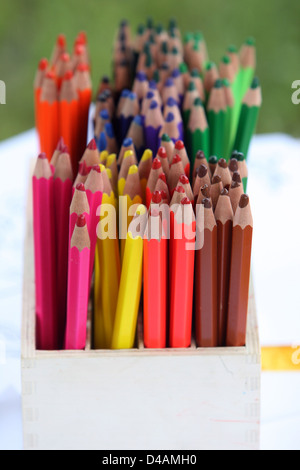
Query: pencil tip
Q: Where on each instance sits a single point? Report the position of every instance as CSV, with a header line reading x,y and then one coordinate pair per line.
x,y
179,145
207,203
42,156
157,197
80,187
156,165
202,171
244,201
92,145
43,64
222,163
200,155
81,221
162,153
185,201
184,179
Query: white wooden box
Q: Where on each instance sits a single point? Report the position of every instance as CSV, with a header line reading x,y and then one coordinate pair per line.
x,y
194,399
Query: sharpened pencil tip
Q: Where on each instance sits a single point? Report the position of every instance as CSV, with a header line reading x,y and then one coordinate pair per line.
x,y
81,221
92,145
244,201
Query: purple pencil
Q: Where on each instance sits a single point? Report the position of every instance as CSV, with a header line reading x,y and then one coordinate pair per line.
x,y
154,122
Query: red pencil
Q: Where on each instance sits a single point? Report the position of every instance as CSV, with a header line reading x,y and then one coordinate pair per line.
x,y
155,283
45,256
182,276
78,287
156,170
181,151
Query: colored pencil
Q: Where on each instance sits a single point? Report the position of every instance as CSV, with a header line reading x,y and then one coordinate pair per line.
x,y
48,115
45,256
156,170
216,114
68,116
63,181
145,166
224,219
94,192
197,132
248,118
107,269
153,124
182,276
155,283
78,287
206,278
240,274
124,333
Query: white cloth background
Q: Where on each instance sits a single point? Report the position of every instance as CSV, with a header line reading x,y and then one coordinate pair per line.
x,y
274,168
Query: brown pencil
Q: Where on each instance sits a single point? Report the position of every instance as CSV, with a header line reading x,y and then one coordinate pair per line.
x,y
202,178
222,170
215,190
200,159
240,274
235,192
206,278
224,219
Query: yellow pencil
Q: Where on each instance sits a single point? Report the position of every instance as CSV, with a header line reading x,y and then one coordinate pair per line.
x,y
145,166
127,162
124,333
134,197
107,269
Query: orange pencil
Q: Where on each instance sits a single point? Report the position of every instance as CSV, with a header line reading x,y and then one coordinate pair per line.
x,y
38,82
68,116
84,90
48,115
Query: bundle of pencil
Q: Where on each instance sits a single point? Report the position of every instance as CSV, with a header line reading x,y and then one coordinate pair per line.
x,y
158,194
62,97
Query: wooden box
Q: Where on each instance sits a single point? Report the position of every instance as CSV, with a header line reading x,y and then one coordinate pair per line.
x,y
194,399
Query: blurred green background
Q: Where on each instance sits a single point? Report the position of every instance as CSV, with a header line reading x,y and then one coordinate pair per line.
x,y
28,29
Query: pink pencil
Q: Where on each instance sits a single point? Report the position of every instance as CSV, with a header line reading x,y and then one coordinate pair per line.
x,y
78,286
45,256
63,180
79,206
94,191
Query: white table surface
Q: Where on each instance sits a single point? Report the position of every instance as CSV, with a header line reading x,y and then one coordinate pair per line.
x,y
274,162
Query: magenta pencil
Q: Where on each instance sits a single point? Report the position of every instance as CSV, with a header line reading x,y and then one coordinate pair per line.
x,y
45,256
79,206
78,286
94,191
63,181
